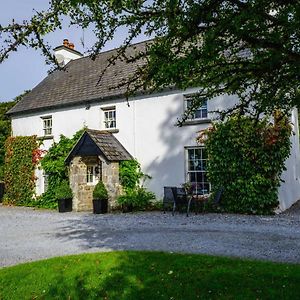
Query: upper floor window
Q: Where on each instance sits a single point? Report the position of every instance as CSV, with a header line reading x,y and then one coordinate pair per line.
x,y
200,113
110,118
47,125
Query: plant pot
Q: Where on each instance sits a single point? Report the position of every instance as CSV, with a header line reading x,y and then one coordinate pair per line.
x,y
65,205
1,190
100,206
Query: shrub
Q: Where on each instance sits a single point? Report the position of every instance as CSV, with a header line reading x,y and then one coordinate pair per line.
x,y
135,195
100,192
63,191
246,157
138,198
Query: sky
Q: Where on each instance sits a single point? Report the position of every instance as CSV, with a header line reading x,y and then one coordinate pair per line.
x,y
25,68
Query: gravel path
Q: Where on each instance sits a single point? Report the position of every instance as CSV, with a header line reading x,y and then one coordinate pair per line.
x,y
27,234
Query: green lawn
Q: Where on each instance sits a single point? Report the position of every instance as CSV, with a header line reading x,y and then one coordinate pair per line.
x,y
149,275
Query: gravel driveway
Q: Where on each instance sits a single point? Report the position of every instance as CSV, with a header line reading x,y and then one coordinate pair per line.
x,y
27,234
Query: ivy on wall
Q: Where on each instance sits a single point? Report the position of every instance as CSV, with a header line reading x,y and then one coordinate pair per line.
x,y
53,163
247,157
21,159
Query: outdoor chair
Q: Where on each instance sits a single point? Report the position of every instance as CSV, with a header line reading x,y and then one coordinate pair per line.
x,y
180,198
168,200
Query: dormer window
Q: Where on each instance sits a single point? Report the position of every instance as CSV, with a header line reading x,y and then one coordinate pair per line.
x,y
109,118
47,125
200,113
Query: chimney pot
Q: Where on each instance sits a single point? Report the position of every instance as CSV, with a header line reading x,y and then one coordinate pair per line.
x,y
71,46
66,42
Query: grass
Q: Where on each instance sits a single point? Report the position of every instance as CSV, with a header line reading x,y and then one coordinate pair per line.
x,y
149,275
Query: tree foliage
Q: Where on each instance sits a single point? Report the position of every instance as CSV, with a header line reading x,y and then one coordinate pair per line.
x,y
250,48
5,127
246,158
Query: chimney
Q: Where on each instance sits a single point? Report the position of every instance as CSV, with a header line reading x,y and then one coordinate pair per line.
x,y
66,52
66,42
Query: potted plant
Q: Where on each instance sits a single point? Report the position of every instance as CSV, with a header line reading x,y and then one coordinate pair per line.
x,y
100,199
64,195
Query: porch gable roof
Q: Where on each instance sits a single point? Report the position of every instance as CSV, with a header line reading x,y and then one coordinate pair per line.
x,y
99,142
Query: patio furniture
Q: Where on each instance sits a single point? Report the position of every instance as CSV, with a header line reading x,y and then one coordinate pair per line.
x,y
180,198
197,200
168,200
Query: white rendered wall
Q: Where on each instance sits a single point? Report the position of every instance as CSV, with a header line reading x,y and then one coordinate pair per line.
x,y
289,191
147,130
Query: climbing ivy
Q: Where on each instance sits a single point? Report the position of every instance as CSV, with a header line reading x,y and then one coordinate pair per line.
x,y
130,174
135,194
54,166
21,159
246,158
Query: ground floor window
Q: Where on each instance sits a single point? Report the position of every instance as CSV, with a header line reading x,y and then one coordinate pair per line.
x,y
196,162
92,174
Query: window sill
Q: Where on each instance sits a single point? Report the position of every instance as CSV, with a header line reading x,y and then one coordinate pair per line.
x,y
46,137
196,122
112,130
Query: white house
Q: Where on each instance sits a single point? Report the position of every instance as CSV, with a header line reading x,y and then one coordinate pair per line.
x,y
66,101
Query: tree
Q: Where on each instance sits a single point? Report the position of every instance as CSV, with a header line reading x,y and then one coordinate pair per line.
x,y
5,127
250,48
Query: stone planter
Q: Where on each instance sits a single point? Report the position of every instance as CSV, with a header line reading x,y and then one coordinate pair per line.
x,y
100,206
64,205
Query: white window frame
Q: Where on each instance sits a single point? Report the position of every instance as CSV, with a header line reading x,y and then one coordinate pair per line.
x,y
202,186
47,125
201,112
110,118
91,177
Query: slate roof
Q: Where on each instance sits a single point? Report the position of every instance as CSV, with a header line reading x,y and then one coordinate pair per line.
x,y
99,142
78,83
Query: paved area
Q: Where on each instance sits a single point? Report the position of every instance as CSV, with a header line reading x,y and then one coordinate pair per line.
x,y
27,234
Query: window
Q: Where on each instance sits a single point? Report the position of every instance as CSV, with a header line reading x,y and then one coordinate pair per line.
x,y
200,112
47,125
92,174
110,118
196,169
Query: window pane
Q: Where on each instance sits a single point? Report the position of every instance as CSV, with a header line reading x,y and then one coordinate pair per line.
x,y
191,154
204,113
198,153
200,113
196,169
110,119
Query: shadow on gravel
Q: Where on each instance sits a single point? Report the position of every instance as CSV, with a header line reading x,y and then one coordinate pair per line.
x,y
275,239
91,232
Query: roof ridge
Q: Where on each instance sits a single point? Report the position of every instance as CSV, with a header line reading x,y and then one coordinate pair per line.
x,y
109,50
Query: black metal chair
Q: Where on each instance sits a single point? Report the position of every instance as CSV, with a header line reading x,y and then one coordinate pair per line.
x,y
168,200
180,198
